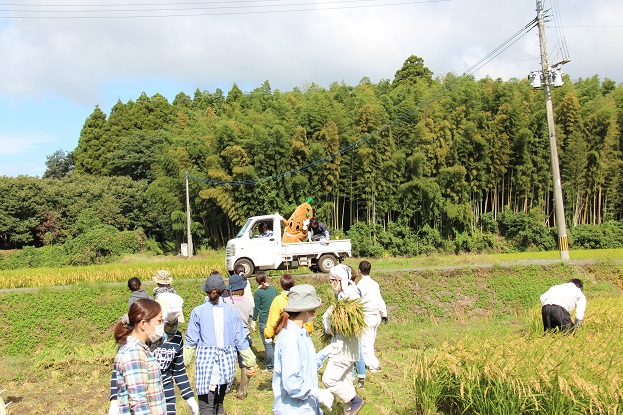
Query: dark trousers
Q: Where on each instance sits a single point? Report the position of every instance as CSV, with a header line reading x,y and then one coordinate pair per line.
x,y
212,402
556,317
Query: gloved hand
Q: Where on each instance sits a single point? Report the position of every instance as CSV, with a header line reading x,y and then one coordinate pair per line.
x,y
324,397
113,409
578,323
268,341
306,224
250,371
174,311
384,320
252,325
189,353
193,405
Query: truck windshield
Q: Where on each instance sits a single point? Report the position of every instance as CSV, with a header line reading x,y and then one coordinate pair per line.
x,y
244,228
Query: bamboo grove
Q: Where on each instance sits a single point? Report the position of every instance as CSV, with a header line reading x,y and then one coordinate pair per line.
x,y
441,152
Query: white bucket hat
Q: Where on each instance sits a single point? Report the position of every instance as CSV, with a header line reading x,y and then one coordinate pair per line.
x,y
162,277
302,298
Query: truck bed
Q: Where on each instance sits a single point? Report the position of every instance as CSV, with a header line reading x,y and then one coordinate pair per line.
x,y
342,246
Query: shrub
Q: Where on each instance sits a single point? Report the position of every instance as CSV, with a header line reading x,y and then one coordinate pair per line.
x,y
525,231
607,235
362,242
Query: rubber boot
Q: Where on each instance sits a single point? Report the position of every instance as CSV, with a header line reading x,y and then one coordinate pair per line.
x,y
244,383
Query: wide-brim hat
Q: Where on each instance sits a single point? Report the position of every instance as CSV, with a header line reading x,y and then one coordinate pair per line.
x,y
237,282
162,277
302,298
214,282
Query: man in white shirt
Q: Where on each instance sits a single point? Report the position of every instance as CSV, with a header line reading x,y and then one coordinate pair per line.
x,y
559,301
375,311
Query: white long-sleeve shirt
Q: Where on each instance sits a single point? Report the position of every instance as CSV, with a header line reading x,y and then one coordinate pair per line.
x,y
373,303
568,296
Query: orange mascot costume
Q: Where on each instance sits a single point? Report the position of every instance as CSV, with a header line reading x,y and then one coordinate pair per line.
x,y
295,228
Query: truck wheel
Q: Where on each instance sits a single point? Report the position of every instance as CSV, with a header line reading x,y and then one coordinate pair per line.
x,y
248,266
326,262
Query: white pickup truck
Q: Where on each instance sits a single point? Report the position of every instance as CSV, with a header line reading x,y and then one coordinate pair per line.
x,y
259,253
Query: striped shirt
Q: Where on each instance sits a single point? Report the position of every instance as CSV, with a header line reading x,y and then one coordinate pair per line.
x,y
169,356
140,390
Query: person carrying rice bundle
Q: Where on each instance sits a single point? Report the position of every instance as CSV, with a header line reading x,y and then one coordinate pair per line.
x,y
344,323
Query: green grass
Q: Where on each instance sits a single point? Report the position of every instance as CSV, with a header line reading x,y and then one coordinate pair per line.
x,y
459,341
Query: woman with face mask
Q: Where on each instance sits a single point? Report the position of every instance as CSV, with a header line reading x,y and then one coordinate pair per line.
x,y
295,378
168,352
139,382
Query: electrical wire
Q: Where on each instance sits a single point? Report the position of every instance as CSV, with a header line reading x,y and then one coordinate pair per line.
x,y
96,14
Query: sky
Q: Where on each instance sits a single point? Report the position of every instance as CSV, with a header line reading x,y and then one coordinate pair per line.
x,y
59,59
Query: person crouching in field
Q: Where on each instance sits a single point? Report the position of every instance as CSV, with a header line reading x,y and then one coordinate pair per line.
x,y
559,301
295,379
216,335
139,383
337,374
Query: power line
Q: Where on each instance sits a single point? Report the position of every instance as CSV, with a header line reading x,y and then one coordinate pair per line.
x,y
342,5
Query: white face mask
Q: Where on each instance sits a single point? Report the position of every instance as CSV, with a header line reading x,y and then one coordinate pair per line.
x,y
158,333
336,286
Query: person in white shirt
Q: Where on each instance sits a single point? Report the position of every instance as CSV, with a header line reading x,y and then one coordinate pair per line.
x,y
375,311
559,301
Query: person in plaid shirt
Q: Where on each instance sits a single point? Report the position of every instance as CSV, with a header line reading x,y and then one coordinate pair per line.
x,y
168,352
215,334
139,383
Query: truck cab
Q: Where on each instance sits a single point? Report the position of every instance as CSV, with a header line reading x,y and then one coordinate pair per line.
x,y
251,250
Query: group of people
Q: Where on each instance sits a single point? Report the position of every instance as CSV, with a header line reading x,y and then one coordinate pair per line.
x,y
296,363
150,355
153,354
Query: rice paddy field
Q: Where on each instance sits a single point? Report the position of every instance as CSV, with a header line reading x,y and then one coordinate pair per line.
x,y
461,339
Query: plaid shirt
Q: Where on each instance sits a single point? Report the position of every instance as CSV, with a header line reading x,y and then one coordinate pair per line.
x,y
215,362
169,356
139,382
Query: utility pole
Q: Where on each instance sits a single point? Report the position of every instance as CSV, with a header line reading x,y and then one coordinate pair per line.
x,y
190,239
559,209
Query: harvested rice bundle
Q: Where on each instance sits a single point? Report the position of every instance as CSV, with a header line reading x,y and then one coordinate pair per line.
x,y
346,318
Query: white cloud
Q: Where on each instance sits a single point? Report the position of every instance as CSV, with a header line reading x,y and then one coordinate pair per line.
x,y
74,57
97,61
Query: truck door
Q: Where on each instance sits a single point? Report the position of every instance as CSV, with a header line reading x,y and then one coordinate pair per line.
x,y
263,243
